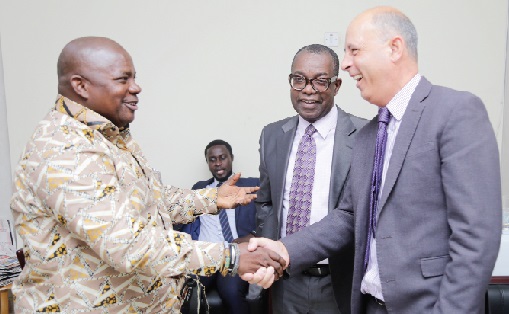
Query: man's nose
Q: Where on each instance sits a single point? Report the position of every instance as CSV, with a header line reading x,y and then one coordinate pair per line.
x,y
308,89
134,88
346,63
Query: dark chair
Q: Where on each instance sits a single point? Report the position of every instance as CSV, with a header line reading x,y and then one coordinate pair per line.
x,y
497,299
215,302
256,297
21,258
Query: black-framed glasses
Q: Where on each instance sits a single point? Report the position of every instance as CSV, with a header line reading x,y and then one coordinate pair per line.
x,y
299,82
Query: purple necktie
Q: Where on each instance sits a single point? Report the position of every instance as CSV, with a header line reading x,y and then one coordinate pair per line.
x,y
301,188
225,226
381,139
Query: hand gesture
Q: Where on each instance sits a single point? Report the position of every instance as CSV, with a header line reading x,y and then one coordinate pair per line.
x,y
230,196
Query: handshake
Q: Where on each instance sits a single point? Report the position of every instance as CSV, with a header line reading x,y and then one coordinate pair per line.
x,y
262,261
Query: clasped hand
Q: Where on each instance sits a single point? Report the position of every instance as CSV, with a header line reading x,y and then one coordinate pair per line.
x,y
262,261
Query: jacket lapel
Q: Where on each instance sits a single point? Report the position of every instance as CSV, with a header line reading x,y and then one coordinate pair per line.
x,y
284,145
405,135
340,158
208,182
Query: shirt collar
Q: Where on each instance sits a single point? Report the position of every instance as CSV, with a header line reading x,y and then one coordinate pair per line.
x,y
93,120
398,104
322,125
215,182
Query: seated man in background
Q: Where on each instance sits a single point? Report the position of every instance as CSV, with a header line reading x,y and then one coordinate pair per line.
x,y
231,225
95,218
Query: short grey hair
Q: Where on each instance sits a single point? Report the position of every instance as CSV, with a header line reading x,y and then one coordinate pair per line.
x,y
319,49
390,22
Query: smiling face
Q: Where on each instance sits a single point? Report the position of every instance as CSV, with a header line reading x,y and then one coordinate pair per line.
x,y
310,104
220,162
369,60
109,80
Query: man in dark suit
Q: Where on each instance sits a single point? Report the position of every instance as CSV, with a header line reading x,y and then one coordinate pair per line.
x,y
428,241
240,220
313,84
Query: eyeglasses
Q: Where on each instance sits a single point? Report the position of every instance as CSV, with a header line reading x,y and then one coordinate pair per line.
x,y
299,82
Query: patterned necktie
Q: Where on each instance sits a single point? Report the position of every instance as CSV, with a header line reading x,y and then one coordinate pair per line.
x,y
302,183
225,226
381,139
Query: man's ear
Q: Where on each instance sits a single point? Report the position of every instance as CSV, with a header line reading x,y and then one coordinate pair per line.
x,y
80,85
397,46
337,85
232,157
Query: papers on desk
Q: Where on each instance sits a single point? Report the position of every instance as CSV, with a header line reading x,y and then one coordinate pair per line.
x,y
6,238
9,264
9,269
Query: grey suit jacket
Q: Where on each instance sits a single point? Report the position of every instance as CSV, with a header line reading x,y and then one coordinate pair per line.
x,y
275,145
439,225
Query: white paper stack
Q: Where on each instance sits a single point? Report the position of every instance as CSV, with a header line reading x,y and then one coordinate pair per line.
x,y
9,264
9,269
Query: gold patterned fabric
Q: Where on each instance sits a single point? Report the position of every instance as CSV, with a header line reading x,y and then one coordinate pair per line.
x,y
96,222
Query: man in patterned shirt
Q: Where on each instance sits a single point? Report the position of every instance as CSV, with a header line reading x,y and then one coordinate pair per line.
x,y
95,219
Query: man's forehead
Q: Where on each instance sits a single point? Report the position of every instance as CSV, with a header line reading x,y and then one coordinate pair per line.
x,y
217,148
306,61
115,60
360,31
106,52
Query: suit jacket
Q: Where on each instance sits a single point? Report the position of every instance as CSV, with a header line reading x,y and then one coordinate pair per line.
x,y
245,216
439,225
275,145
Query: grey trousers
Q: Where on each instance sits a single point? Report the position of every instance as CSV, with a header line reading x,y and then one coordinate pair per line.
x,y
301,294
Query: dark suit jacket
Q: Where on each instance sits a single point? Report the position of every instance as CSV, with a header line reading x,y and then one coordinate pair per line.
x,y
245,216
275,145
439,225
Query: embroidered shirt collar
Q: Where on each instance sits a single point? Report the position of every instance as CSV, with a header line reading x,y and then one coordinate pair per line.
x,y
399,102
93,120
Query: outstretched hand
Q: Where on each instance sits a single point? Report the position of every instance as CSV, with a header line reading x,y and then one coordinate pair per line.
x,y
230,196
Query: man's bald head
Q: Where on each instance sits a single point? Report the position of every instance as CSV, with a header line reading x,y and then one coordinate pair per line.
x,y
380,53
80,54
99,74
391,22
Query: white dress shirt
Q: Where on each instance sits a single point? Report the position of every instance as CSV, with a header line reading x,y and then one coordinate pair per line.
x,y
324,140
371,282
210,226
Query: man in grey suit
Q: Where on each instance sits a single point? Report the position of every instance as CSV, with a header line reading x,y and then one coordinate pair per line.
x,y
314,82
437,225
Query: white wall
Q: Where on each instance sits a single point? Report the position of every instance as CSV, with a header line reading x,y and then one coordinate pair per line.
x,y
5,173
218,69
